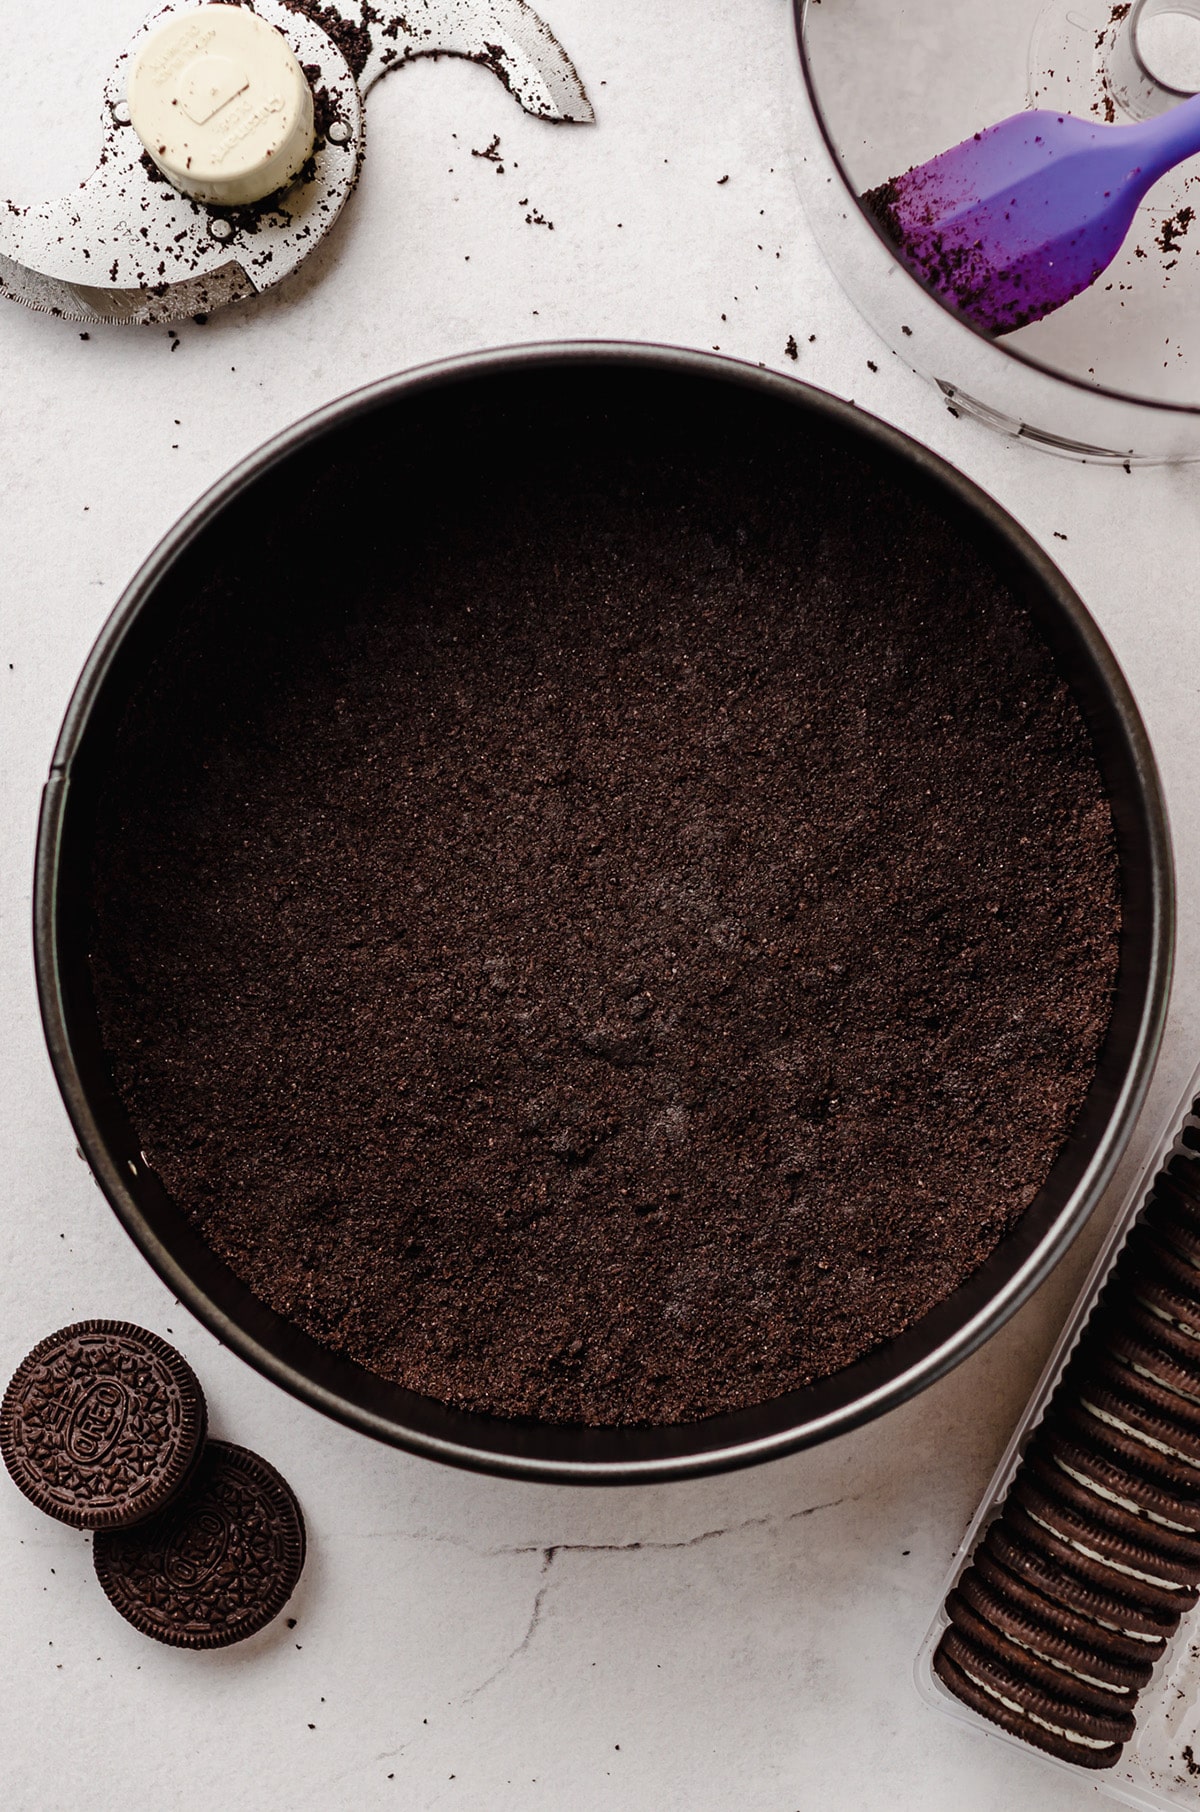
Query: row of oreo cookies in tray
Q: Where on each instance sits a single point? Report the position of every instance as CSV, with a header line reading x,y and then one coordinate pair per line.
x,y
1077,1586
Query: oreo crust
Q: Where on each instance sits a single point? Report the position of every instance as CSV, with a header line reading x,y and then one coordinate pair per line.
x,y
218,1564
101,1424
1015,1722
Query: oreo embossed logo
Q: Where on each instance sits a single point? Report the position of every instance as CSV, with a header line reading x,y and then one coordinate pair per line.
x,y
95,1427
197,1547
101,1424
217,1566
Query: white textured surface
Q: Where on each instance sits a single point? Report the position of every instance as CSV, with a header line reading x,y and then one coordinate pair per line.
x,y
739,1643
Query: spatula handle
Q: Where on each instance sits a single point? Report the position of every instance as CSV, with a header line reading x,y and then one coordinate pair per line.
x,y
1170,137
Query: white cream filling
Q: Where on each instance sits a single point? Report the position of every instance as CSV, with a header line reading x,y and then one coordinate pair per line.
x,y
1167,1585
1134,1635
1172,1321
1136,1434
1113,1497
1187,1258
1071,1736
1061,1666
1144,1372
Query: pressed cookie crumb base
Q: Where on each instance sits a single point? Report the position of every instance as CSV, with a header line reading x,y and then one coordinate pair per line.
x,y
603,943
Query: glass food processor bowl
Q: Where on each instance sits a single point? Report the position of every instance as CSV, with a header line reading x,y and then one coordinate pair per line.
x,y
1115,374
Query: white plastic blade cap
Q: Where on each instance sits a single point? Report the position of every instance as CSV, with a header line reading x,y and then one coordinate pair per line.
x,y
222,105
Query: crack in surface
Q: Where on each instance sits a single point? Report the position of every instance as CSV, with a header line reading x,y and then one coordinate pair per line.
x,y
437,1538
535,1617
550,1553
693,1541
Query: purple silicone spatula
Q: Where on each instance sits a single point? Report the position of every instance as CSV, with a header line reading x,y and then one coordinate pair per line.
x,y
1012,223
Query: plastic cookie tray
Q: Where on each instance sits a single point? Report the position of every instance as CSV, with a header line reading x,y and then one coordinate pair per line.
x,y
1159,1767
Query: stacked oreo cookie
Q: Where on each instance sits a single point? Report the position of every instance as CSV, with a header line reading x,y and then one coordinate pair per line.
x,y
1073,1592
196,1542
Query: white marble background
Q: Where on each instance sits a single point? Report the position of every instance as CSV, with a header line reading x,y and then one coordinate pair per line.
x,y
743,1644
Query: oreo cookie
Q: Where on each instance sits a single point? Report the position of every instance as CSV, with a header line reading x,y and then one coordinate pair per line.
x,y
1113,1724
999,1708
1148,1286
1147,1259
1101,1369
1118,1442
1059,1712
218,1564
1024,1664
1180,1176
1149,1570
1117,1523
1076,1554
1054,1568
1145,1246
1026,1593
1135,1416
101,1424
1147,1356
1103,1473
973,1603
1175,1220
1124,1300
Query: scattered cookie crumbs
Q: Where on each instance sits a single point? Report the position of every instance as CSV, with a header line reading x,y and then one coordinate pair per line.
x,y
791,350
491,154
1173,230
